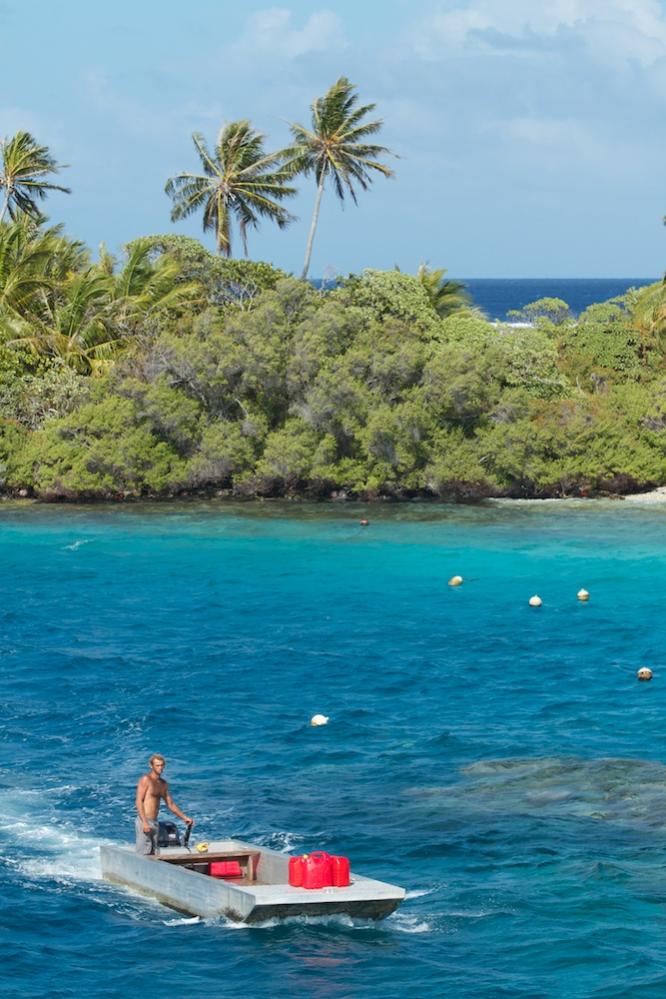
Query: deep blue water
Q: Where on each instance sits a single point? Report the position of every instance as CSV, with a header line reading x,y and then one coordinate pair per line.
x,y
496,296
500,762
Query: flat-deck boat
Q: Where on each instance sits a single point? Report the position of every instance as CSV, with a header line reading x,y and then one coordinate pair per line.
x,y
180,878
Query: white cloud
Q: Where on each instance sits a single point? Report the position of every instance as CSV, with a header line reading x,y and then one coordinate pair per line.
x,y
610,31
271,33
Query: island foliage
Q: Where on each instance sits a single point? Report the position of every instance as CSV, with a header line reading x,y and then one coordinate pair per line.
x,y
171,371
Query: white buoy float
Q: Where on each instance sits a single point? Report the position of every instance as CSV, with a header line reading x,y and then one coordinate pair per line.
x,y
535,601
644,673
583,595
319,720
456,581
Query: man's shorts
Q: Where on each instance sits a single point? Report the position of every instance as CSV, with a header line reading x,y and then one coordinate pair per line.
x,y
145,842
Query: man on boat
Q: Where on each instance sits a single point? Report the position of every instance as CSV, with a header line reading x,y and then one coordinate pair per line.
x,y
151,790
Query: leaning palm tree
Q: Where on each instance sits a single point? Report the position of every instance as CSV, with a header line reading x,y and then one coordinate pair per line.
x,y
335,146
240,182
25,165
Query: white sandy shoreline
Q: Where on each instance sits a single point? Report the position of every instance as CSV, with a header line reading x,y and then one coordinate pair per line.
x,y
652,498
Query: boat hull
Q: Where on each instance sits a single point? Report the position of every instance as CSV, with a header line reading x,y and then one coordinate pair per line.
x,y
166,879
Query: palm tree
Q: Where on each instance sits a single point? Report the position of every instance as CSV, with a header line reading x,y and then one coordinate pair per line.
x,y
27,254
53,302
446,296
144,287
25,164
240,181
335,146
70,326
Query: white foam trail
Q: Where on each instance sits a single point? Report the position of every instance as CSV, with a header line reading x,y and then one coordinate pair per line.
x,y
182,922
335,920
76,545
43,846
64,855
419,893
409,924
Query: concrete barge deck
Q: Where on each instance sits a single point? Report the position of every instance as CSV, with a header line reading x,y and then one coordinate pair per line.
x,y
178,878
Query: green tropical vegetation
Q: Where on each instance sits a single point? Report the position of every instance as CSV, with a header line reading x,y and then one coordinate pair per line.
x,y
173,371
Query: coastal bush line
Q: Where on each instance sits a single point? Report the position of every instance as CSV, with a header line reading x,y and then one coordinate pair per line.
x,y
175,372
172,371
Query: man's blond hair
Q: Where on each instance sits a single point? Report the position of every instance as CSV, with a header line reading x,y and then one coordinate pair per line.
x,y
156,756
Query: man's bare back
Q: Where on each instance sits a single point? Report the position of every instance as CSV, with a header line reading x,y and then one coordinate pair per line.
x,y
151,790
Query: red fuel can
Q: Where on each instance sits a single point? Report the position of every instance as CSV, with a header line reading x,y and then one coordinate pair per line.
x,y
296,871
225,869
317,870
340,872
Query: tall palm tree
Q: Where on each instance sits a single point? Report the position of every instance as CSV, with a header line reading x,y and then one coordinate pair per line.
x,y
335,146
240,181
25,164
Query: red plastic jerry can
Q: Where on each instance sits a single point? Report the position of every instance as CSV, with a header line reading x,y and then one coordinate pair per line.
x,y
340,872
317,870
296,871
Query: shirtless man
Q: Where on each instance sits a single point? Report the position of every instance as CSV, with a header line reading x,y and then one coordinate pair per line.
x,y
150,791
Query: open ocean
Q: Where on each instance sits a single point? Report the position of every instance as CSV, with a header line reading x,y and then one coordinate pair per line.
x,y
496,296
502,763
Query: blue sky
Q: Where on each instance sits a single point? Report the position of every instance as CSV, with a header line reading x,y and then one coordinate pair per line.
x,y
531,135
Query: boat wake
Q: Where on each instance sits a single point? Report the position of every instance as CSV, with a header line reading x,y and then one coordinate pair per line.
x,y
39,845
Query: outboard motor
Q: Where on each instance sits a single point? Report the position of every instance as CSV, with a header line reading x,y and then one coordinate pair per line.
x,y
167,834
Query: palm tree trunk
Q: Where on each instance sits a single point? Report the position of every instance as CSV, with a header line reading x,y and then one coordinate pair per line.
x,y
313,226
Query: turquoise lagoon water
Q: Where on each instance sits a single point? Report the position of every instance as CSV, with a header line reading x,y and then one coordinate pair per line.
x,y
502,763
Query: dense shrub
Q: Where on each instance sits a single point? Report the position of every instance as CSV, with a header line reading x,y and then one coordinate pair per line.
x,y
259,384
